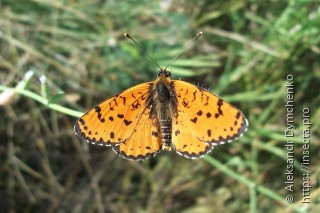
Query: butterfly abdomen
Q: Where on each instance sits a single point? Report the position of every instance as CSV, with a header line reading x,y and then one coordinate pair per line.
x,y
166,129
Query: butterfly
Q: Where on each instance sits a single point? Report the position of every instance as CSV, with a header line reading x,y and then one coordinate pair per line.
x,y
160,115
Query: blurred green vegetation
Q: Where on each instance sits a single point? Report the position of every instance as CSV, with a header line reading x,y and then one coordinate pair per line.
x,y
78,56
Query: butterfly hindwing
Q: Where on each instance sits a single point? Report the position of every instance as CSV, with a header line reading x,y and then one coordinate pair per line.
x,y
145,140
114,120
209,118
185,142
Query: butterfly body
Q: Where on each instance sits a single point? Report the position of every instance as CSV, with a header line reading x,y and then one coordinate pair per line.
x,y
161,115
164,107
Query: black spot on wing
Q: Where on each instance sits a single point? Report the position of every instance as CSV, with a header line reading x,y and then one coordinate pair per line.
x,y
185,103
204,99
127,123
82,121
194,120
100,118
187,91
216,115
194,95
97,108
123,99
238,115
136,104
155,134
98,111
220,102
177,132
209,133
112,135
115,103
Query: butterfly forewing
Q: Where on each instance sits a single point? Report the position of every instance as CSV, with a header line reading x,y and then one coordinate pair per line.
x,y
114,120
207,116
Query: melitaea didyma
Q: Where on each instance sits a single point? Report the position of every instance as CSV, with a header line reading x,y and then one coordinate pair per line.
x,y
158,115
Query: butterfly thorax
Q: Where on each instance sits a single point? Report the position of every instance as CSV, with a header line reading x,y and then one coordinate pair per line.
x,y
163,107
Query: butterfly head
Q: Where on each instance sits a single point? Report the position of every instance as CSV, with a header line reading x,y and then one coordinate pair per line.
x,y
163,73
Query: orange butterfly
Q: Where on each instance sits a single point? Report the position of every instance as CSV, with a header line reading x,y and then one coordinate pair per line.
x,y
159,115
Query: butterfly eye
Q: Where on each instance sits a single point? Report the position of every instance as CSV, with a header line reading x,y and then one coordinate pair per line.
x,y
167,74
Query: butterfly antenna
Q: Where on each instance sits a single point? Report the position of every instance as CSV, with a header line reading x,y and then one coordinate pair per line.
x,y
142,50
184,48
